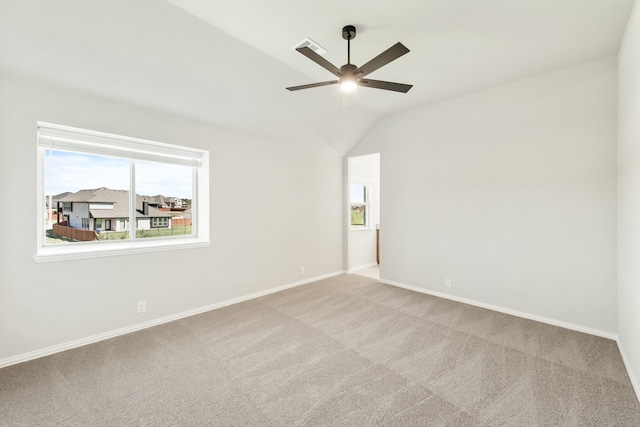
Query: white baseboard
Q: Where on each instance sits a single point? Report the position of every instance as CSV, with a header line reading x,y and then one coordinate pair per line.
x,y
630,371
139,326
362,267
512,312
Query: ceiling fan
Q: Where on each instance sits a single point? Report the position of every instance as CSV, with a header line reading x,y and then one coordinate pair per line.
x,y
350,76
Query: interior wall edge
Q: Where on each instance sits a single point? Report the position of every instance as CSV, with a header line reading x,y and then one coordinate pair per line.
x,y
36,354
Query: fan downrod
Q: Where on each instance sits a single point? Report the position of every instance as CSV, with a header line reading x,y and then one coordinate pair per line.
x,y
349,32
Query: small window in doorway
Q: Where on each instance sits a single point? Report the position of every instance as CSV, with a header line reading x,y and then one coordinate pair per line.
x,y
359,205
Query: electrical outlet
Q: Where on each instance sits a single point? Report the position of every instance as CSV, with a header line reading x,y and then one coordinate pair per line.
x,y
142,306
447,283
301,270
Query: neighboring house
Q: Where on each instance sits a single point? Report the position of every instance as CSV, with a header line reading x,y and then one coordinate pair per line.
x,y
108,210
163,202
51,208
53,200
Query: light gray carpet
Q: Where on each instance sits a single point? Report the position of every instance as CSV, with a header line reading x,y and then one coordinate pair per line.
x,y
342,351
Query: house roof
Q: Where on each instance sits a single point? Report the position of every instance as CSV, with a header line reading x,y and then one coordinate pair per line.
x,y
214,61
61,195
56,198
159,200
97,195
119,199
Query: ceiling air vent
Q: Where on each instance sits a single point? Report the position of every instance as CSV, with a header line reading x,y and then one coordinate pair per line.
x,y
311,45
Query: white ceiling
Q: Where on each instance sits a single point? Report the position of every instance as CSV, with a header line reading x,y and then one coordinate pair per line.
x,y
228,61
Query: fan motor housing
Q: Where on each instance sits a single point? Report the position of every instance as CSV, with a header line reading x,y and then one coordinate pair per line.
x,y
348,68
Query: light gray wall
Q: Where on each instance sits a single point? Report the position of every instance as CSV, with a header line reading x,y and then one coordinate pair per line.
x,y
511,193
629,197
274,208
362,243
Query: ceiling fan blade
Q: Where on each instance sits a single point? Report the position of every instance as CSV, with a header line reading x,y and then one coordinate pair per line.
x,y
378,84
320,60
309,86
391,54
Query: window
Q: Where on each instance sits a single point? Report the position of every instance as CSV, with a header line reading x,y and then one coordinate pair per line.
x,y
113,190
160,222
359,205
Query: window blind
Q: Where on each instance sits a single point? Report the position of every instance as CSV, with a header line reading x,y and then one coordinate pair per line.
x,y
67,138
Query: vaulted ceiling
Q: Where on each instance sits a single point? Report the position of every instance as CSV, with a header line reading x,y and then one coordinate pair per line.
x,y
228,61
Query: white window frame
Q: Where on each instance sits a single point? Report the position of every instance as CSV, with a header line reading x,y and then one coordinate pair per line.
x,y
368,186
53,136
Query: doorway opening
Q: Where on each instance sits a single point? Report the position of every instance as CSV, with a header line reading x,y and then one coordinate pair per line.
x,y
363,215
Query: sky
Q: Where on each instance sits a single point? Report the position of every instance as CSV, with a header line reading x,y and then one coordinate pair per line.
x,y
77,171
358,192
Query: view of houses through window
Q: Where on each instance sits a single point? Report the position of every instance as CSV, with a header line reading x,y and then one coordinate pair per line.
x,y
88,185
136,194
87,198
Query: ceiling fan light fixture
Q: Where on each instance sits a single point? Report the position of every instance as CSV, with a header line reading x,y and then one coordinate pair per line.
x,y
351,76
348,84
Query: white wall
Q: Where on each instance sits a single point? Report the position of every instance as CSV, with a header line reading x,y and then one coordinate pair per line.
x,y
629,197
80,210
264,196
511,193
143,224
362,242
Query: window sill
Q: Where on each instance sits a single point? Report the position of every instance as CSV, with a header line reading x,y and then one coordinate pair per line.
x,y
361,228
103,249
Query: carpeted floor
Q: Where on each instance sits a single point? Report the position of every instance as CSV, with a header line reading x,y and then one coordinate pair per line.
x,y
342,351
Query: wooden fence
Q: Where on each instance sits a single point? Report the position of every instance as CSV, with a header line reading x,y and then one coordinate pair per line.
x,y
179,222
63,230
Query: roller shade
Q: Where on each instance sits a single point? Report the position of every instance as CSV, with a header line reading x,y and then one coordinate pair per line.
x,y
67,138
